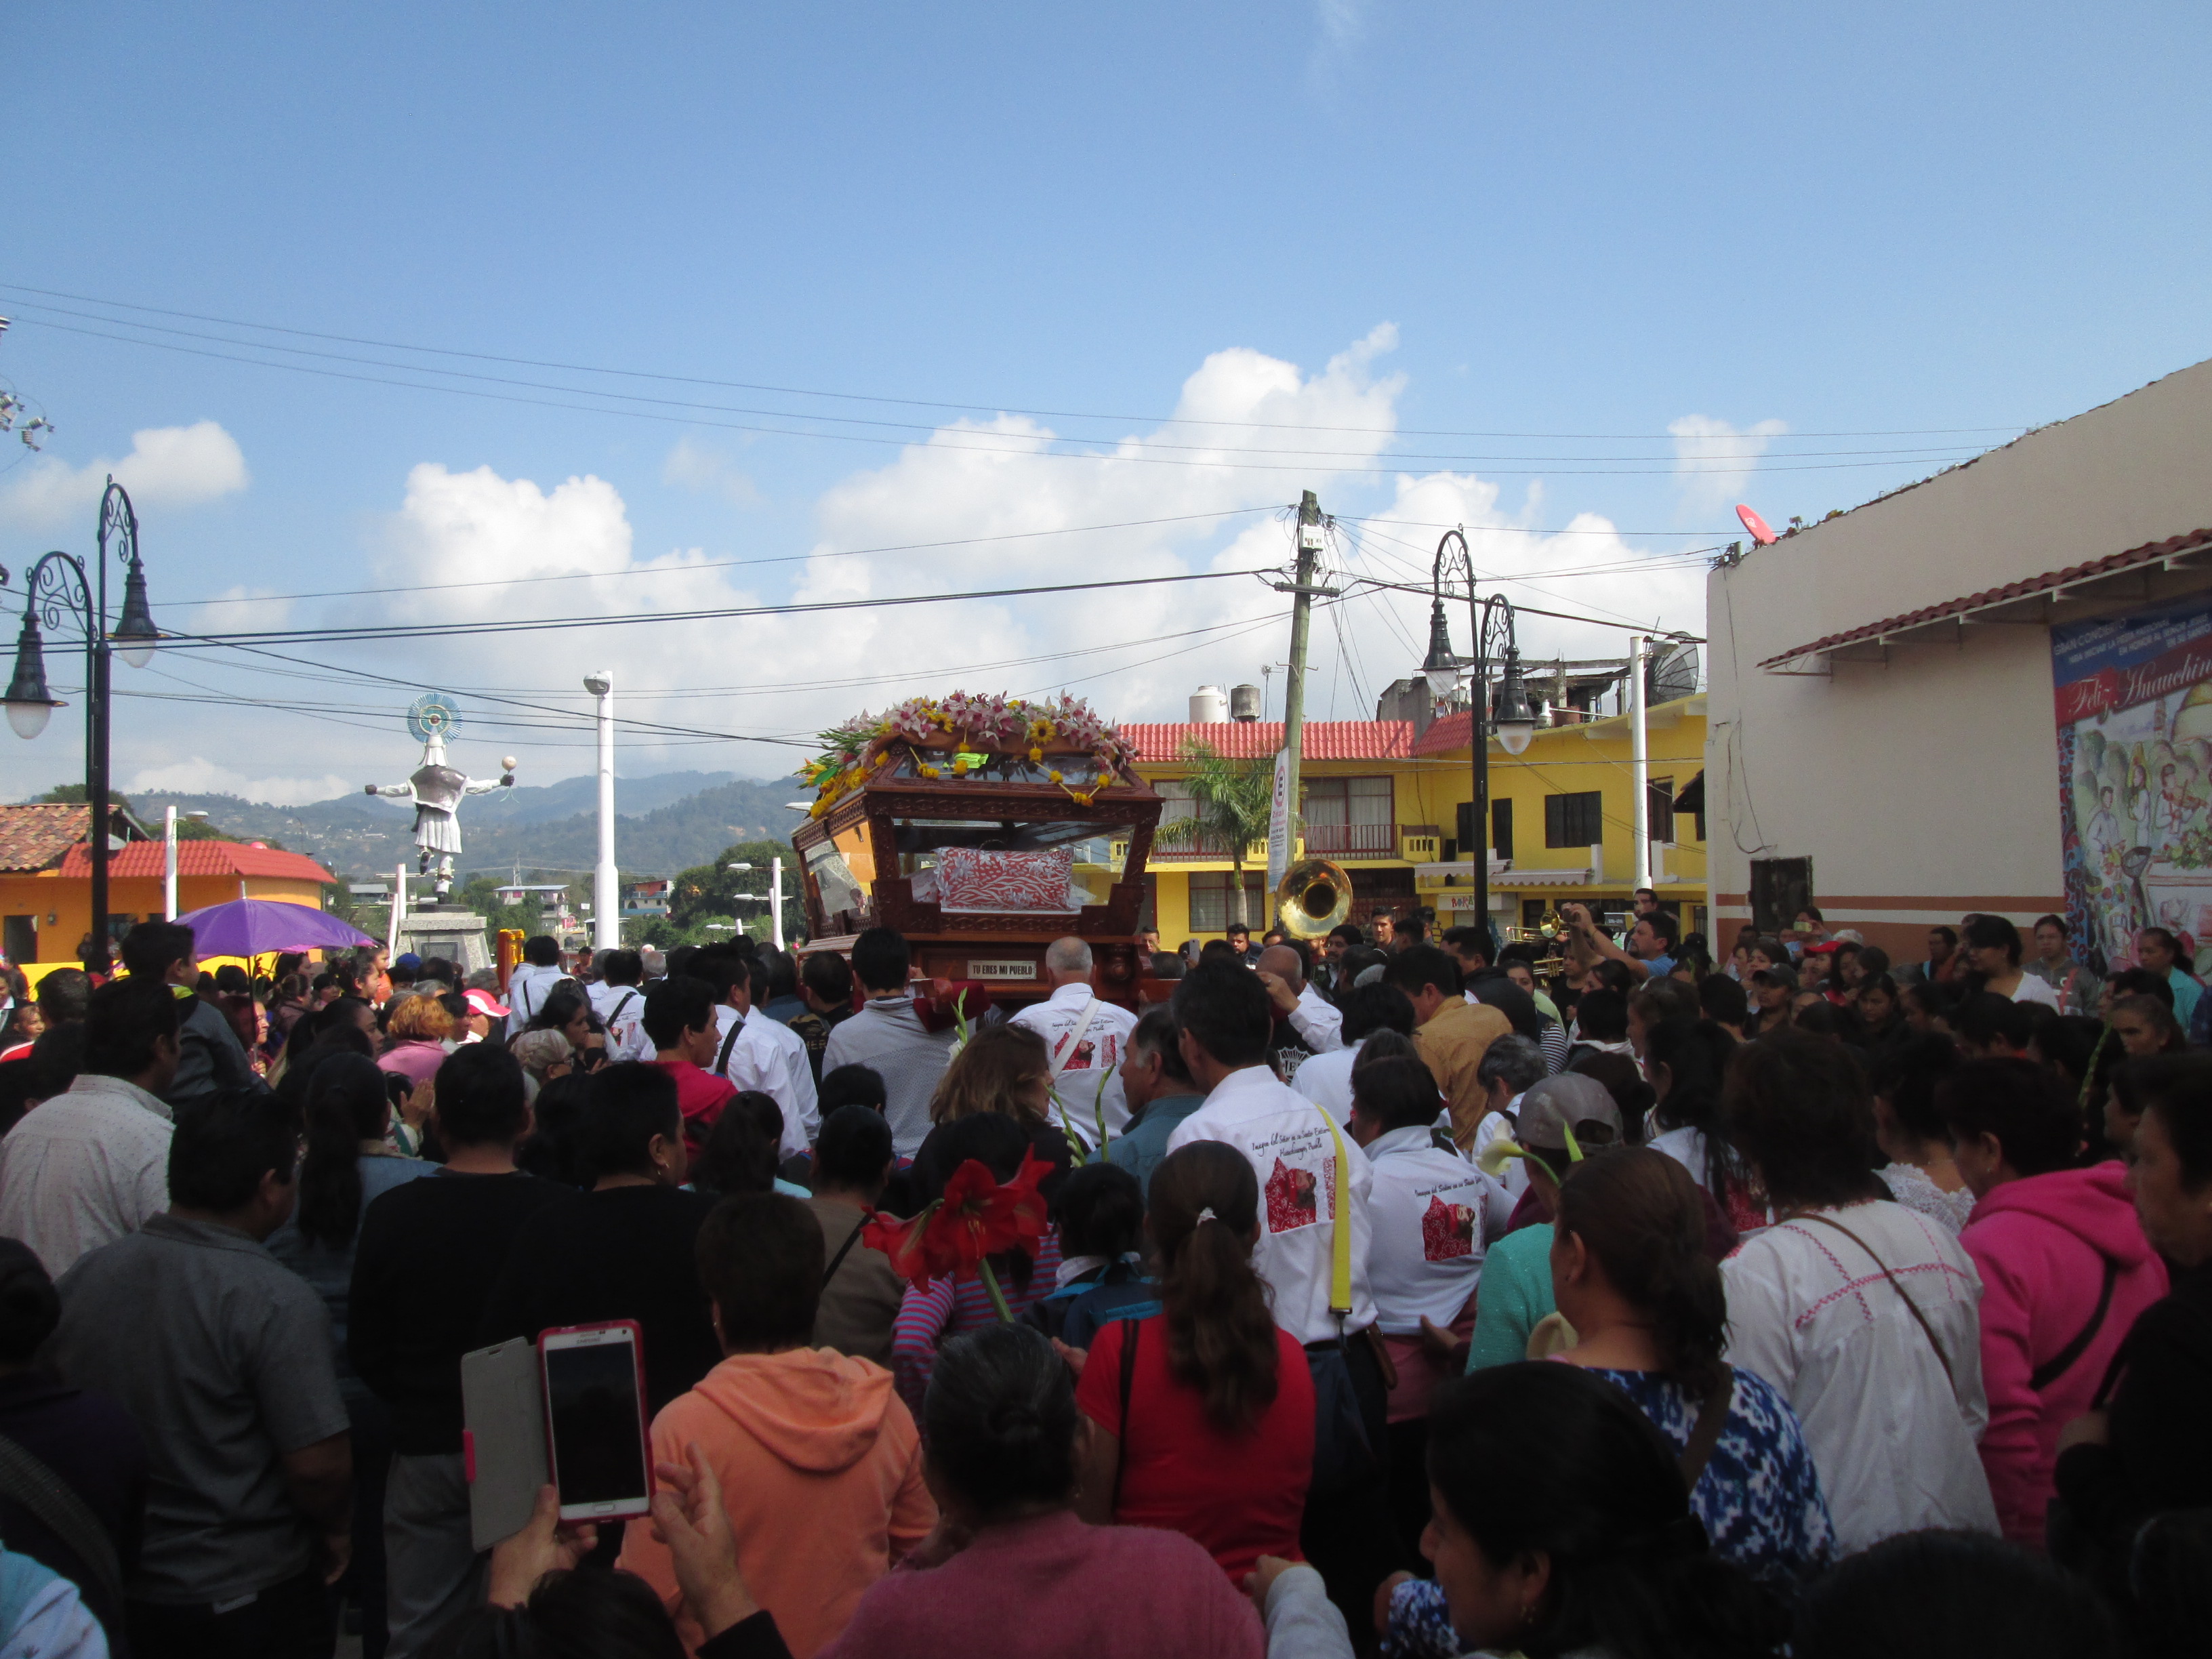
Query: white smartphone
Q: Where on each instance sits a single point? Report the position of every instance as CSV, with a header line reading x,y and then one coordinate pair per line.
x,y
595,1428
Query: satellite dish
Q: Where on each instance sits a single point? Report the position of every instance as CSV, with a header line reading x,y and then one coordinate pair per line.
x,y
432,714
1757,525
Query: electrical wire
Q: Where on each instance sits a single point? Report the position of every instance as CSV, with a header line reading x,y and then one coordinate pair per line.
x,y
549,624
918,402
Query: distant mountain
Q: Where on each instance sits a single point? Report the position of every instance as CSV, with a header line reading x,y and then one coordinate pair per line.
x,y
664,823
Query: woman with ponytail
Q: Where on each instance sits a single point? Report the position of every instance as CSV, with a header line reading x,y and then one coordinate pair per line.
x,y
1203,1416
1630,1274
348,1167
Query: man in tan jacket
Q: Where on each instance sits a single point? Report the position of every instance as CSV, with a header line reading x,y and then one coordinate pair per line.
x,y
1451,1033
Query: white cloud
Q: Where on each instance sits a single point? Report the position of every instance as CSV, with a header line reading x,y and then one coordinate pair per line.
x,y
167,466
1714,460
568,550
696,466
199,776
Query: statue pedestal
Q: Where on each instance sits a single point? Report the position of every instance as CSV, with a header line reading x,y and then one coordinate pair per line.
x,y
452,931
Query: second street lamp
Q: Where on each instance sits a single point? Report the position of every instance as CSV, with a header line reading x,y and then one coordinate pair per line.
x,y
1513,724
60,586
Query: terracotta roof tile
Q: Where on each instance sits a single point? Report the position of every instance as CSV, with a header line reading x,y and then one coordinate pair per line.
x,y
2149,553
33,836
1323,740
200,858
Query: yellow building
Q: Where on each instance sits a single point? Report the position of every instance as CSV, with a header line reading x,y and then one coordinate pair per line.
x,y
1390,806
45,880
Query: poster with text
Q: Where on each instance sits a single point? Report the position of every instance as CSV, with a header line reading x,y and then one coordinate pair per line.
x,y
2135,765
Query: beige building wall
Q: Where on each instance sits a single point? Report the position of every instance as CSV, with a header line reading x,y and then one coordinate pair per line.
x,y
1925,783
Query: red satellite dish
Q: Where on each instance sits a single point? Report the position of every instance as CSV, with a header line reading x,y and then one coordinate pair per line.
x,y
1757,525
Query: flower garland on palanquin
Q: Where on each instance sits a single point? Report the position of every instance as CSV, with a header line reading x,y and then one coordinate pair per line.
x,y
968,725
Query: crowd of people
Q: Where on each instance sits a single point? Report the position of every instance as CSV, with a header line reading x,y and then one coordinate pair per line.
x,y
1393,1293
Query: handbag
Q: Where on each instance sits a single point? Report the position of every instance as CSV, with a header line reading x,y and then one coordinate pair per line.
x,y
1344,1458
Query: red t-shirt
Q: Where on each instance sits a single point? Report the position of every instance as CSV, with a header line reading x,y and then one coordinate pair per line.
x,y
701,1095
1240,1495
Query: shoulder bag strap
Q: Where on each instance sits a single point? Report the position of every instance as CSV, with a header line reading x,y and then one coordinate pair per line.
x,y
2060,1363
1912,1307
722,1062
1340,1270
846,1248
1705,1432
1129,1381
26,1478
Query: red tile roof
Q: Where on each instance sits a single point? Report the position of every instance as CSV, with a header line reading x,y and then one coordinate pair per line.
x,y
33,836
1322,740
199,857
2049,582
1446,732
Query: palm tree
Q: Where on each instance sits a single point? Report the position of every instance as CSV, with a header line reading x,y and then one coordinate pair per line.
x,y
1231,800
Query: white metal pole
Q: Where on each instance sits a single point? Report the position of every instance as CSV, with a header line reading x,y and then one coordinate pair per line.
x,y
606,897
1639,766
775,902
169,863
399,911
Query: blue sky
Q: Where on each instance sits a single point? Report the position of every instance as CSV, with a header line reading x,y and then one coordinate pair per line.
x,y
1600,221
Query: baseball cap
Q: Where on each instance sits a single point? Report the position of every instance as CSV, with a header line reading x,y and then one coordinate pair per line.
x,y
407,960
485,1003
1781,973
1569,1101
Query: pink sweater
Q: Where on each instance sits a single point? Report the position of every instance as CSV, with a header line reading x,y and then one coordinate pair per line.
x,y
2041,1245
1058,1589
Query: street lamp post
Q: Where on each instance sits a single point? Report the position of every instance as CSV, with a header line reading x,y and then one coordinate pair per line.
x,y
1513,724
60,586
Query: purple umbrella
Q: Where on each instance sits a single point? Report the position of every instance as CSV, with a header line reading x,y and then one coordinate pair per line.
x,y
253,927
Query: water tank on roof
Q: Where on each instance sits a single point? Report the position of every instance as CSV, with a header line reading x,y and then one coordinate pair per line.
x,y
1244,703
1209,706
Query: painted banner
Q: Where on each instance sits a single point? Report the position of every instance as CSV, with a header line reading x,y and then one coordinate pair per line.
x,y
2134,763
1278,829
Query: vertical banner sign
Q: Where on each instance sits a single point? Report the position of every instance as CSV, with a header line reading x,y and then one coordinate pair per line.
x,y
2135,769
1278,827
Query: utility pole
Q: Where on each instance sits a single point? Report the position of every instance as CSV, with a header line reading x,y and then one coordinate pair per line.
x,y
1639,766
1302,592
606,879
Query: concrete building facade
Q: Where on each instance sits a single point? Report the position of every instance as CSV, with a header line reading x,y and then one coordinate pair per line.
x,y
1889,737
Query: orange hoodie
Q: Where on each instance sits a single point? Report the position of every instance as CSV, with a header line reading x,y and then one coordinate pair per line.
x,y
821,1471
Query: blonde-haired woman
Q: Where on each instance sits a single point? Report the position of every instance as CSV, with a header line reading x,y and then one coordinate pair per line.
x,y
1004,1069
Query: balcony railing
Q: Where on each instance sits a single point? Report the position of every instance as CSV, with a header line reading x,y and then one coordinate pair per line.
x,y
1205,847
1355,841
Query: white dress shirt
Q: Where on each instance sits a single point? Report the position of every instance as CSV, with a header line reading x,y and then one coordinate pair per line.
x,y
1289,1143
768,1056
1894,1437
1326,1080
1104,1043
84,1169
1430,1209
1318,1020
621,1009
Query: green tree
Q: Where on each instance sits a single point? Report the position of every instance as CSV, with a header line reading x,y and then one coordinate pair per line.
x,y
1231,800
710,891
480,892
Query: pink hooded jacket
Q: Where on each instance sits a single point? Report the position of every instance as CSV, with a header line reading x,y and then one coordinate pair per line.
x,y
2043,1245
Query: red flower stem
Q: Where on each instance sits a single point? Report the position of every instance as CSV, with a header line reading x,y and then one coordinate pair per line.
x,y
991,1284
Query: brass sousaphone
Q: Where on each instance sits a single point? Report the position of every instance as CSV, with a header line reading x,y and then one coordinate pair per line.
x,y
1313,897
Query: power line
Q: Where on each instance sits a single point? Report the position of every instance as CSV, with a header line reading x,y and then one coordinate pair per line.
x,y
938,440
718,564
922,403
726,613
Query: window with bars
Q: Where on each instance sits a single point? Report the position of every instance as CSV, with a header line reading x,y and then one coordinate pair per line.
x,y
1575,820
1350,817
1209,900
1659,806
